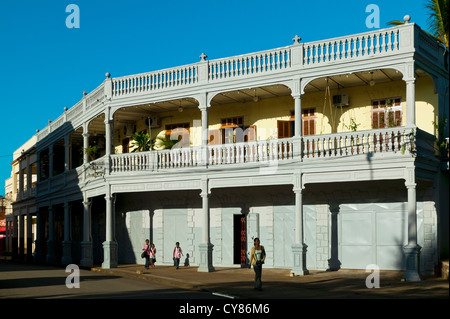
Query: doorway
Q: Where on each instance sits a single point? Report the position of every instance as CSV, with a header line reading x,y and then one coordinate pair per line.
x,y
239,239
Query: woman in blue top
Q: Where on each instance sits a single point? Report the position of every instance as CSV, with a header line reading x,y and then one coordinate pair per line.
x,y
257,257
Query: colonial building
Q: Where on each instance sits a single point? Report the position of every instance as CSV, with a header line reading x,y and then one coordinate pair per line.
x,y
327,151
20,193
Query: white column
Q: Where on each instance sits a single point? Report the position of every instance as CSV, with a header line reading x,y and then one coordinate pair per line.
x,y
107,141
411,102
298,115
205,247
29,255
50,161
109,245
51,243
67,243
66,152
40,243
21,236
297,95
21,181
86,244
15,237
205,134
299,248
29,176
412,250
85,143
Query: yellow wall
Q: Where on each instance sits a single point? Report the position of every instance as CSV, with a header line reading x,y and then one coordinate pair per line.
x,y
329,119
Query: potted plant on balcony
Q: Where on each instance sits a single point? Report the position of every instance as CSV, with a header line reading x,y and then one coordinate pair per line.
x,y
92,151
163,142
142,142
353,127
441,141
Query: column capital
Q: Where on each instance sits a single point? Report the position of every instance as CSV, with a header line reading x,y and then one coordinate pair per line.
x,y
410,185
410,80
203,107
87,202
297,95
205,194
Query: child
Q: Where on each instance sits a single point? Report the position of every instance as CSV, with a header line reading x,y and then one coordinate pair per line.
x,y
153,255
146,249
177,253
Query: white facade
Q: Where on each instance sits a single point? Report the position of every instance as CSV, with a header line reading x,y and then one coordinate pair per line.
x,y
322,201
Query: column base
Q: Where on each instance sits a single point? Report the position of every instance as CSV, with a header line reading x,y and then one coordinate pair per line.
x,y
86,254
299,254
67,253
412,257
51,252
109,254
206,258
39,257
29,255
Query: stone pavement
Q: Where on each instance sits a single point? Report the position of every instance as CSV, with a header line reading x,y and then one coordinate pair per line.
x,y
278,284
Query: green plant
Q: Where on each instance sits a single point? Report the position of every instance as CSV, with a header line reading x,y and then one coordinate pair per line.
x,y
142,142
440,130
92,151
353,125
412,139
164,142
440,127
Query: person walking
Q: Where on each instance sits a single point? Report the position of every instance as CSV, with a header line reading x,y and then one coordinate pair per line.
x,y
177,253
146,249
153,255
257,257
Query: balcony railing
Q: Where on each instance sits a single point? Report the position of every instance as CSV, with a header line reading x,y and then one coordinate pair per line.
x,y
398,140
362,46
300,55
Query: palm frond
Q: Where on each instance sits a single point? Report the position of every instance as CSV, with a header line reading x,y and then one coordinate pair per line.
x,y
141,142
438,19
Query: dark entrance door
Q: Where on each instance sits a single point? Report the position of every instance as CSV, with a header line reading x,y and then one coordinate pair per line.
x,y
239,240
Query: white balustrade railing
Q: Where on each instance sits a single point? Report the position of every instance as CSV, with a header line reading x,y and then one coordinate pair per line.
x,y
146,82
300,55
178,157
254,63
131,162
354,143
339,145
351,47
260,151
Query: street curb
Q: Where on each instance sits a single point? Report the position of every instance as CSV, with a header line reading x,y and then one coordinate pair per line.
x,y
152,278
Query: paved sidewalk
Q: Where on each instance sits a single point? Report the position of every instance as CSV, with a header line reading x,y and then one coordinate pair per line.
x,y
278,284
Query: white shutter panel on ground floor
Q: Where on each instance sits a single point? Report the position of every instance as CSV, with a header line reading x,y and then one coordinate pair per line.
x,y
175,230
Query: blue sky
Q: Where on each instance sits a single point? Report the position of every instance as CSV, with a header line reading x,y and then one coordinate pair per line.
x,y
45,66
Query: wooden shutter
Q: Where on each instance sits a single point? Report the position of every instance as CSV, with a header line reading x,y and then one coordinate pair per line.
x,y
398,118
283,129
308,122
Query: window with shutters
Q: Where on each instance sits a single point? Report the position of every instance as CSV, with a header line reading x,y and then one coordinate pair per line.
x,y
387,112
179,131
286,128
309,122
232,130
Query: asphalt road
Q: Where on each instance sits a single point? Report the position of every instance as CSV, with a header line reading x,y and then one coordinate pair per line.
x,y
20,281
